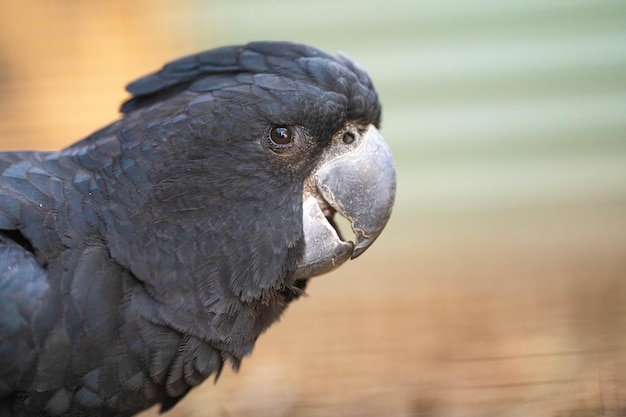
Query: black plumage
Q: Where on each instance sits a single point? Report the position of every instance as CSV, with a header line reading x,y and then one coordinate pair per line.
x,y
138,261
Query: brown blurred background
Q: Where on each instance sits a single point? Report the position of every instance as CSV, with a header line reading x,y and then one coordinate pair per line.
x,y
499,286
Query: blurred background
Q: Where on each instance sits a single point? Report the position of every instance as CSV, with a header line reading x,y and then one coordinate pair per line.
x,y
499,286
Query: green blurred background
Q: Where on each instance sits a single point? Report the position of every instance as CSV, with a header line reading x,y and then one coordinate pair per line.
x,y
498,287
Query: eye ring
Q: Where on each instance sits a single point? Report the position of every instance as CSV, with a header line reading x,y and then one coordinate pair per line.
x,y
281,136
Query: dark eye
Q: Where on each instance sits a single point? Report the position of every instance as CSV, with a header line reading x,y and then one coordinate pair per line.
x,y
281,136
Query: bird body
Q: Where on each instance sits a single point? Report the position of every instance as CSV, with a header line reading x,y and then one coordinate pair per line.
x,y
138,261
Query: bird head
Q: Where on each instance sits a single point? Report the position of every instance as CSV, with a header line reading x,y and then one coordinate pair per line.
x,y
259,147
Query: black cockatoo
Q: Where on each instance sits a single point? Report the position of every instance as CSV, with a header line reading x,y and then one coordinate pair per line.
x,y
138,261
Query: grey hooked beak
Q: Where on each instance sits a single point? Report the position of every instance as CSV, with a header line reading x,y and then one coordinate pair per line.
x,y
359,182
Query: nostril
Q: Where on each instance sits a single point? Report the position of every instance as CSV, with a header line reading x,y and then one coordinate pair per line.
x,y
348,138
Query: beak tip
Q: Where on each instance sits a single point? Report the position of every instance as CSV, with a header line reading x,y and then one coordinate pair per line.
x,y
357,252
362,244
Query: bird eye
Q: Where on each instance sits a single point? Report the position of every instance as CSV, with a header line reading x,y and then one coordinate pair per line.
x,y
281,136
